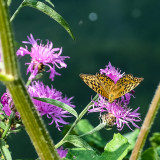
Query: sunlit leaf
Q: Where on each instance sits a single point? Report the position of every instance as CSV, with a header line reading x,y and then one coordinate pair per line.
x,y
58,104
4,149
50,12
116,149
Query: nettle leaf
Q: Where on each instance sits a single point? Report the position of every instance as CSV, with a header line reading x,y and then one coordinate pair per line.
x,y
4,149
116,149
132,136
58,104
150,153
78,142
81,154
84,126
155,139
50,12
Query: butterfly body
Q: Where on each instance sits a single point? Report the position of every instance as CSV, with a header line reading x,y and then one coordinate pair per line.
x,y
106,87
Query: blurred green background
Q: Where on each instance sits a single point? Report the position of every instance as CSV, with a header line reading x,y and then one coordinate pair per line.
x,y
125,33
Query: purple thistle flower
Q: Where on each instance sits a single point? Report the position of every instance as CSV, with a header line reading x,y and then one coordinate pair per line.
x,y
8,105
42,55
112,72
62,152
116,110
115,75
119,110
38,89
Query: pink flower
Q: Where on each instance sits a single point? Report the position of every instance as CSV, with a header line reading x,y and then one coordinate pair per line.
x,y
8,105
112,72
42,55
38,89
62,152
122,114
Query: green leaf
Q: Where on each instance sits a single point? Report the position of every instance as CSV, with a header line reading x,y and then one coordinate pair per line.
x,y
9,2
50,12
2,125
48,1
150,154
4,149
158,150
116,149
58,104
78,142
1,106
155,139
96,129
83,127
132,136
81,154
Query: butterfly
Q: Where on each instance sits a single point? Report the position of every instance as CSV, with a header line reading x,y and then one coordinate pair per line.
x,y
106,87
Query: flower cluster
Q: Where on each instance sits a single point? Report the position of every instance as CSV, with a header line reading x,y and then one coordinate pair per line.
x,y
118,108
42,55
38,89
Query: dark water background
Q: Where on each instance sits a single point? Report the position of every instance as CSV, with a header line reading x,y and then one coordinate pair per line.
x,y
126,33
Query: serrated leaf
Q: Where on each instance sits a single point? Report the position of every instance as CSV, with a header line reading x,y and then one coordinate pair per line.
x,y
132,136
78,142
155,139
116,149
58,104
50,12
85,126
4,150
150,154
80,154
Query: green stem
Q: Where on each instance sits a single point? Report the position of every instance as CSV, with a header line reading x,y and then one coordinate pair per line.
x,y
29,115
76,121
9,124
154,106
16,12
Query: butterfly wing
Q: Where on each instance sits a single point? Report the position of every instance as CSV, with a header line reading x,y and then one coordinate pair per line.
x,y
126,84
105,81
93,82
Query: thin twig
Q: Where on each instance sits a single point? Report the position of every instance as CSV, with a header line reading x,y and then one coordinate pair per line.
x,y
146,125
